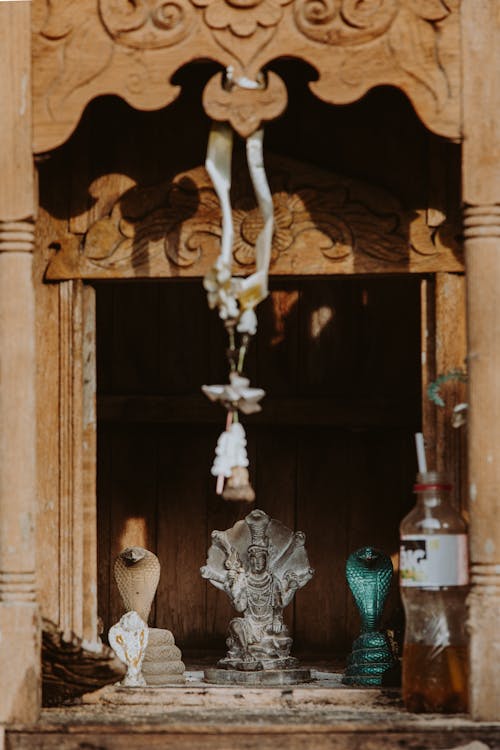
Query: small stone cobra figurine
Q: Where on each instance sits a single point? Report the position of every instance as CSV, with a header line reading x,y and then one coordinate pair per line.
x,y
137,572
371,662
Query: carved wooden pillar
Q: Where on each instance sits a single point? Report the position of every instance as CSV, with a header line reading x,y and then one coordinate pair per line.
x,y
444,349
77,466
481,195
19,627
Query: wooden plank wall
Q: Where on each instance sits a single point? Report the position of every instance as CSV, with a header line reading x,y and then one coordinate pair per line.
x,y
332,451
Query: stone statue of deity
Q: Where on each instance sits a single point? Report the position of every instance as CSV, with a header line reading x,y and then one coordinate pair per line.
x,y
260,564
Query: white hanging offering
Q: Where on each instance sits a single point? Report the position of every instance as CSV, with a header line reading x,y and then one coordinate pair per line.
x,y
231,463
221,290
236,394
247,322
235,297
231,451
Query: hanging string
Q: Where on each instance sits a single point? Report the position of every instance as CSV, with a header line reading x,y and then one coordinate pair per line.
x,y
236,298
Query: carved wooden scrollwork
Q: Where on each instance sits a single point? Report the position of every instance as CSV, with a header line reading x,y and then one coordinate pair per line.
x,y
84,48
147,25
324,224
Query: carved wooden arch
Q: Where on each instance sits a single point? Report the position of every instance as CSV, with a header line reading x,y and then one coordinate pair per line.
x,y
325,224
86,48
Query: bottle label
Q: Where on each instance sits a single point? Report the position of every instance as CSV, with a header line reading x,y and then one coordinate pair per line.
x,y
433,560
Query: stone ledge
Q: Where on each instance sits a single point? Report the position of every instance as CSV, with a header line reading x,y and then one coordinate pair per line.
x,y
321,715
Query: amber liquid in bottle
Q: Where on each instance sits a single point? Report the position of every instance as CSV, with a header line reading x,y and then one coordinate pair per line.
x,y
436,681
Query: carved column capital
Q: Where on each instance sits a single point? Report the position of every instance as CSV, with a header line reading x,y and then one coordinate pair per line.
x,y
17,587
486,576
481,221
17,236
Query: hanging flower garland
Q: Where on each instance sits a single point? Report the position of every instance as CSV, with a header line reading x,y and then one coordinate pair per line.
x,y
236,299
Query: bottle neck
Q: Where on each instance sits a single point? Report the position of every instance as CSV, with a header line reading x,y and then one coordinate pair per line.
x,y
432,499
432,489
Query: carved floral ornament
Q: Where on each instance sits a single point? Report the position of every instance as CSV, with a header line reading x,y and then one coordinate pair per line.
x,y
323,224
85,48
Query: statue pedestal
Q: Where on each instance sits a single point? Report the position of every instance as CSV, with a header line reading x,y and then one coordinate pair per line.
x,y
162,663
261,677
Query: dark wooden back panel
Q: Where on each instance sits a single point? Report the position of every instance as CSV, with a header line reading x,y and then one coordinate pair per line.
x,y
331,454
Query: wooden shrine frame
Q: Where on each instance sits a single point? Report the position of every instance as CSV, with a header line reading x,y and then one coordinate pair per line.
x,y
84,49
325,224
444,56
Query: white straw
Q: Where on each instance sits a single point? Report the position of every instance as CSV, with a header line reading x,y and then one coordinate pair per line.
x,y
422,463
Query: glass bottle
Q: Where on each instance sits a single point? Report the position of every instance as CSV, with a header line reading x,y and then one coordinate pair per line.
x,y
433,583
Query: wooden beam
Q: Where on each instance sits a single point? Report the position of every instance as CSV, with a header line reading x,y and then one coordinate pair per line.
x,y
19,626
332,412
172,230
481,195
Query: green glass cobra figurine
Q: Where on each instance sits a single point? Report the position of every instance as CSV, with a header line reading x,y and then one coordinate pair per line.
x,y
371,662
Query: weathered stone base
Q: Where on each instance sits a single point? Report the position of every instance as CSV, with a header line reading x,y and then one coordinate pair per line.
x,y
162,663
275,677
255,665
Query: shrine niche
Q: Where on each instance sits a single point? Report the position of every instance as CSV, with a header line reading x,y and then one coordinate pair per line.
x,y
348,352
129,210
324,224
85,49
